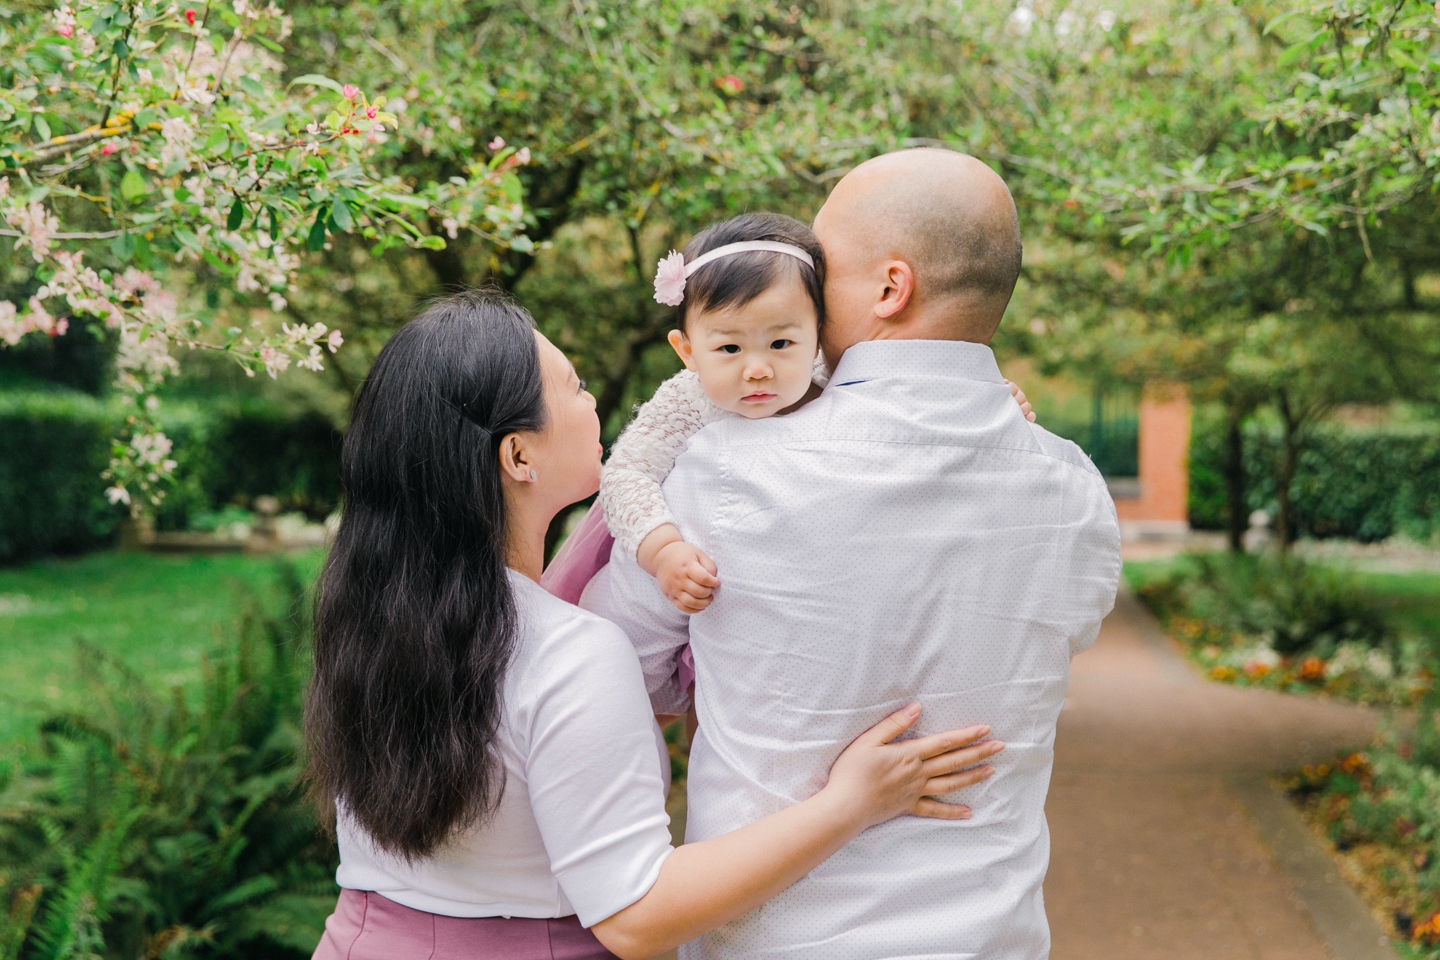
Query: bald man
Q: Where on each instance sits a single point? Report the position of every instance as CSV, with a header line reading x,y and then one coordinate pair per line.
x,y
907,535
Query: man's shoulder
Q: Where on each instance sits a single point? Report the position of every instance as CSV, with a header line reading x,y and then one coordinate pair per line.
x,y
1065,451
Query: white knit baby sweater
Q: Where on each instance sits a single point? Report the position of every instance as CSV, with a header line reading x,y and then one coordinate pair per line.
x,y
642,457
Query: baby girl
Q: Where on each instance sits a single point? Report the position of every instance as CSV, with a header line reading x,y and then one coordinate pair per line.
x,y
750,304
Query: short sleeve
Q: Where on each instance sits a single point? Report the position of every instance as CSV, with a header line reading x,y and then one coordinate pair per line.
x,y
596,786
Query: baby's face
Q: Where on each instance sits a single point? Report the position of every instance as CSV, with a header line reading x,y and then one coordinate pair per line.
x,y
754,360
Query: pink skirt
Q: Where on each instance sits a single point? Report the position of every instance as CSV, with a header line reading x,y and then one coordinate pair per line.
x,y
366,926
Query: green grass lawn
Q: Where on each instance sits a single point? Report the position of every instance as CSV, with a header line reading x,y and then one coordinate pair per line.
x,y
157,613
1413,599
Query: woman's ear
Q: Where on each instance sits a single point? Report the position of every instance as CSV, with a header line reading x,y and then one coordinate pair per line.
x,y
681,345
898,289
515,459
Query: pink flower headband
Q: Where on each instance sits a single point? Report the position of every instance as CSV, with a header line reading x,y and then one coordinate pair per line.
x,y
672,272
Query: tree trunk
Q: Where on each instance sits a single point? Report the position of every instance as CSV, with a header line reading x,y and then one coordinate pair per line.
x,y
1235,474
1284,518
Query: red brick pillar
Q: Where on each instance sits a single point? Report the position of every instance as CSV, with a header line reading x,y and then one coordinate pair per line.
x,y
1159,508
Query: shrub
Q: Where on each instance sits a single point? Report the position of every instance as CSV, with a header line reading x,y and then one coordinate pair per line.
x,y
148,829
1293,606
52,500
57,443
1362,484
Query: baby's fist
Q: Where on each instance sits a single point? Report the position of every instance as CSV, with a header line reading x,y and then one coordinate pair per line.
x,y
686,576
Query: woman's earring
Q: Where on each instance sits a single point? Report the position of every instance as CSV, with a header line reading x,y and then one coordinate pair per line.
x,y
532,474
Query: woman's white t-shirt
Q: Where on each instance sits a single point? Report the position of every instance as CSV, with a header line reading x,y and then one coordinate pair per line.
x,y
581,827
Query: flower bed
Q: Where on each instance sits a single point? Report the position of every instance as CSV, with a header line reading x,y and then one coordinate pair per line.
x,y
1353,672
1379,814
1282,624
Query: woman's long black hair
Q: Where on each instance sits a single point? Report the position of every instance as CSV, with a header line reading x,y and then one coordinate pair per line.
x,y
415,622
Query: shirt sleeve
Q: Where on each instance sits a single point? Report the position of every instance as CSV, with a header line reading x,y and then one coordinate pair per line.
x,y
594,777
629,598
643,455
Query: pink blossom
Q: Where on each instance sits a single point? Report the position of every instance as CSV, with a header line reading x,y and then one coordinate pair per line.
x,y
730,83
118,494
334,341
670,280
134,282
65,30
350,91
190,17
11,330
370,112
497,144
108,149
523,157
37,225
62,327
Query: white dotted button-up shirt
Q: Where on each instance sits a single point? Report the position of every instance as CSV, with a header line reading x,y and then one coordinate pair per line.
x,y
908,535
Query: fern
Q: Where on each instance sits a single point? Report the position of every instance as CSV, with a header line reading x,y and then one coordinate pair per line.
x,y
153,829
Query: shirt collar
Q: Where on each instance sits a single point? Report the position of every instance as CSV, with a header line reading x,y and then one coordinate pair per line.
x,y
951,359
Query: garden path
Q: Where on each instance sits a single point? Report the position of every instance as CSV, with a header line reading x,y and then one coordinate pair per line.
x,y
1158,808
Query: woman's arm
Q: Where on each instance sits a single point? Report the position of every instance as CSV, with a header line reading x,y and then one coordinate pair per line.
x,y
705,885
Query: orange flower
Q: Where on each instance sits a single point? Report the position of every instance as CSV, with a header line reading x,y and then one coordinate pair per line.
x,y
1219,672
1357,764
1255,669
1312,669
1429,931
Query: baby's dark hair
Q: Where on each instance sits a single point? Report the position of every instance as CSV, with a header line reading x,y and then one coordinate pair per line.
x,y
735,280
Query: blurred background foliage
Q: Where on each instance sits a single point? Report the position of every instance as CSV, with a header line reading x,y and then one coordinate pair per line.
x,y
1200,190
1237,196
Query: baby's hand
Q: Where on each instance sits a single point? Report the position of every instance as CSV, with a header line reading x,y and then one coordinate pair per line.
x,y
1019,396
686,576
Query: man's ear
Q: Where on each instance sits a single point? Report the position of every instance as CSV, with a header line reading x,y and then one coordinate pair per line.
x,y
681,345
515,459
898,289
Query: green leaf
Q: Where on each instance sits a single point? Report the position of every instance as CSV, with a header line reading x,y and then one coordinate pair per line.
x,y
316,240
123,247
269,44
142,251
237,215
144,118
217,141
318,80
132,186
419,203
431,242
510,185
121,49
340,216
274,223
42,129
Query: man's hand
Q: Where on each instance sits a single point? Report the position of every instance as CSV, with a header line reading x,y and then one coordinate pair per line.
x,y
1019,396
686,576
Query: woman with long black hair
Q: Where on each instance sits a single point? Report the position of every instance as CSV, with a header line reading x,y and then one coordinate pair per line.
x,y
488,749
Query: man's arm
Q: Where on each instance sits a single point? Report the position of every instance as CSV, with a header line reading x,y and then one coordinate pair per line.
x,y
631,599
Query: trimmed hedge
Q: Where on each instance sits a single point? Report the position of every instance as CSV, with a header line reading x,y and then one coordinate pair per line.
x,y
55,444
53,447
1361,484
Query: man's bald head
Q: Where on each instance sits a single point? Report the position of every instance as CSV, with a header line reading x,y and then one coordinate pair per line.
x,y
947,215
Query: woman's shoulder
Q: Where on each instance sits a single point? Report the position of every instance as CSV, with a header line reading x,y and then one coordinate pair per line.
x,y
566,653
547,622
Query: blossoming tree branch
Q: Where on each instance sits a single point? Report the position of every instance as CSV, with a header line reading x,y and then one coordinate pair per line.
x,y
142,143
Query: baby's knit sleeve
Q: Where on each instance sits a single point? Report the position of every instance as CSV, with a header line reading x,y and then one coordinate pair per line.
x,y
642,457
